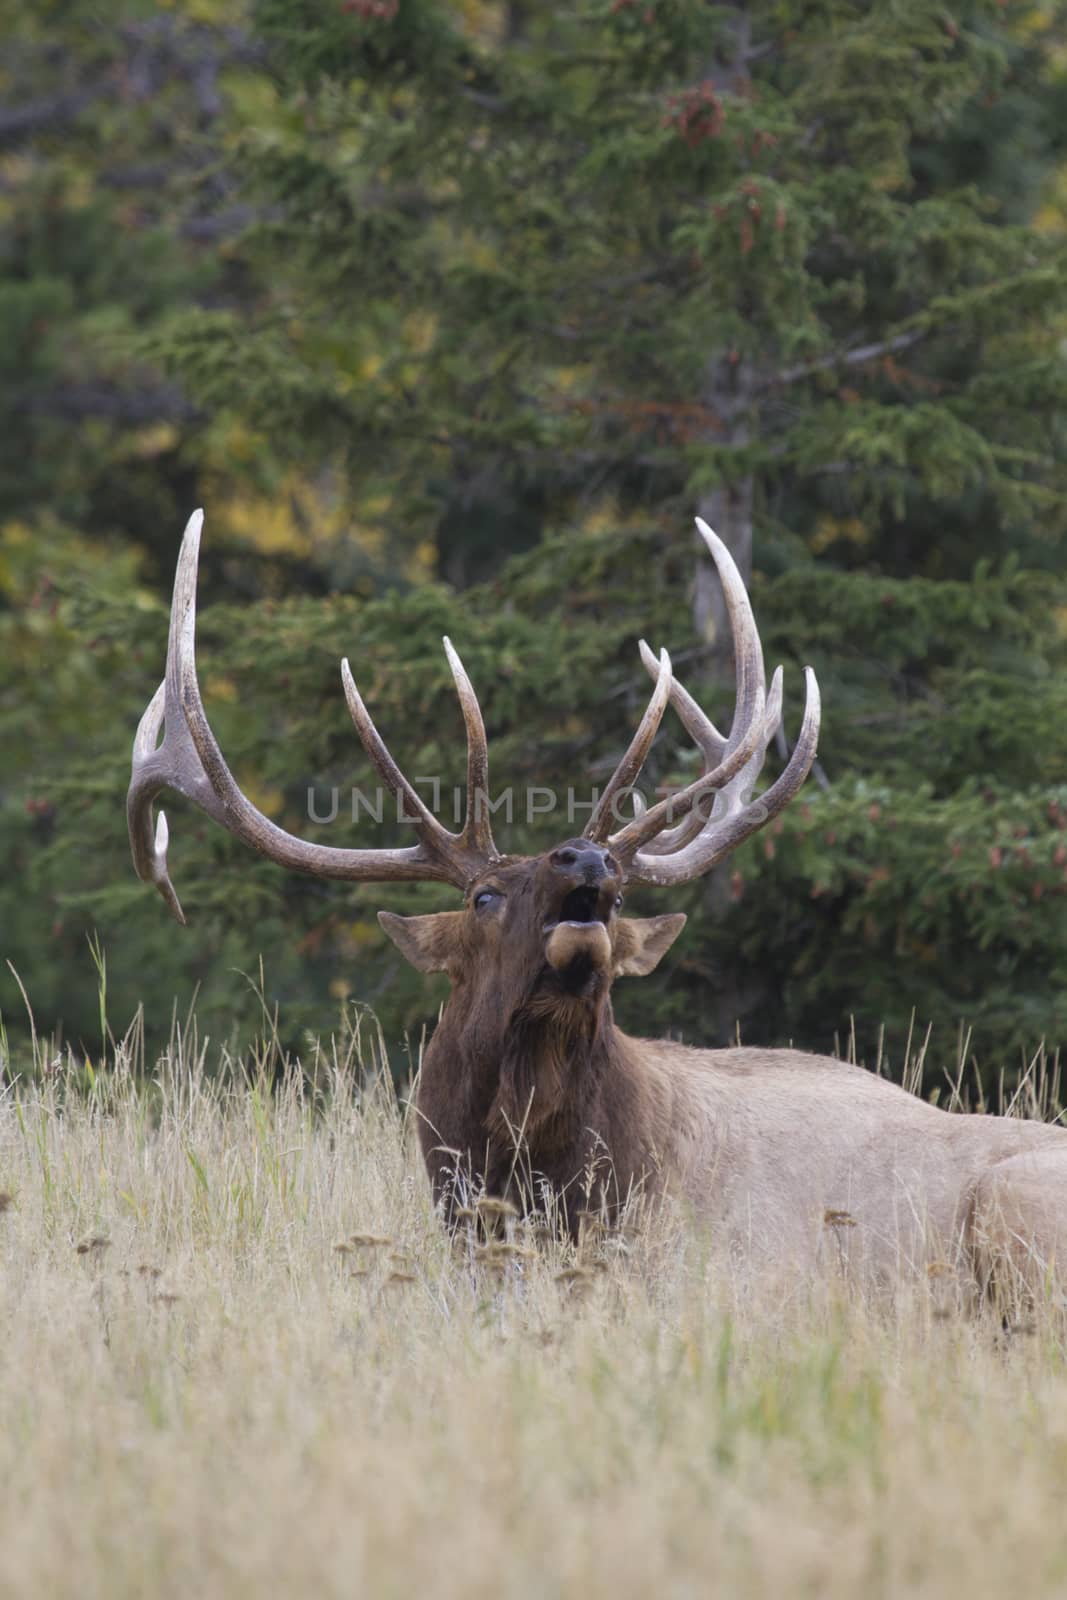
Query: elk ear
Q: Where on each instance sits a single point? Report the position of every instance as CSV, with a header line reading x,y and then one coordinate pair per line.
x,y
430,942
642,942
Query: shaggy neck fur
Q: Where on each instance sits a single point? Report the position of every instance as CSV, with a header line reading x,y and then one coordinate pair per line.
x,y
543,1098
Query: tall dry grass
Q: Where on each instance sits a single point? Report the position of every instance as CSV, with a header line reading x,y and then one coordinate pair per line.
x,y
210,1386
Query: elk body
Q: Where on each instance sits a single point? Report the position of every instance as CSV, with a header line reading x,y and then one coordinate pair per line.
x,y
528,1089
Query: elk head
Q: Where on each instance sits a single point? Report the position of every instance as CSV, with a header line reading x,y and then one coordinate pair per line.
x,y
538,936
534,950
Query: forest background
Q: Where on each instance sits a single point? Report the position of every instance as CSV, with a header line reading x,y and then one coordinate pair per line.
x,y
451,316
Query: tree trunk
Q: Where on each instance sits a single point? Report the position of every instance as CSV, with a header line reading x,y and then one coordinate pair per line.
x,y
727,508
727,394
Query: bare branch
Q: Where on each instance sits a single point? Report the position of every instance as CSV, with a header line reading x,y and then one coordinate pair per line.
x,y
854,357
74,402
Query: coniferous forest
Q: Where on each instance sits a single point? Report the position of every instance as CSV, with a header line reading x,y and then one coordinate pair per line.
x,y
452,316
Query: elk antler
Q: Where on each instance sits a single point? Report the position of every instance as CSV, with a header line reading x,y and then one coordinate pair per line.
x,y
651,849
189,760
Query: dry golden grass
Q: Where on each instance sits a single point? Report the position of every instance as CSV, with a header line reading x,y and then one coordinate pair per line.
x,y
240,1357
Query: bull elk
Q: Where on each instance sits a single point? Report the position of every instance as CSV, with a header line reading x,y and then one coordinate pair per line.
x,y
529,1090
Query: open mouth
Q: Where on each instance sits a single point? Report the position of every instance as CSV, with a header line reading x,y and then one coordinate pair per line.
x,y
578,942
585,905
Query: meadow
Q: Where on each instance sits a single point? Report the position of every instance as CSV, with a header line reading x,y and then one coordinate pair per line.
x,y
240,1355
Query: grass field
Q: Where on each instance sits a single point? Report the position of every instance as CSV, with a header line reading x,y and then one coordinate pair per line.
x,y
208,1387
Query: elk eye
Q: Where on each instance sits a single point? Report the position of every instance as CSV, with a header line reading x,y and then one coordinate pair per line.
x,y
485,898
618,901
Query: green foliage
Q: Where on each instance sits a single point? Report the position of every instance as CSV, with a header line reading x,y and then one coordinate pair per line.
x,y
934,880
450,316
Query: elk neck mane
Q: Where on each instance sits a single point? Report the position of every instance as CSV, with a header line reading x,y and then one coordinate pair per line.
x,y
550,1092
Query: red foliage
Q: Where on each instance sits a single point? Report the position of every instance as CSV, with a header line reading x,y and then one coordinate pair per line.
x,y
381,10
697,114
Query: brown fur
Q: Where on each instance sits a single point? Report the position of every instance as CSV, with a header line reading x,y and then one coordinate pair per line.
x,y
525,1087
529,1091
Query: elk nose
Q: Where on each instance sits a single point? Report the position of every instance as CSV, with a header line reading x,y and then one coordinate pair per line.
x,y
586,862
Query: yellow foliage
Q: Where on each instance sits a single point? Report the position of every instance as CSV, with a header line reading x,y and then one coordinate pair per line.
x,y
300,517
235,442
474,248
269,801
11,535
356,937
228,13
1049,218
268,525
369,538
420,331
423,561
565,379
1037,20
1051,215
253,97
220,688
376,505
602,516
484,20
146,443
891,178
829,530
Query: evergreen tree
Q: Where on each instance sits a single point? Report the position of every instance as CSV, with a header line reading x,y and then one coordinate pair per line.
x,y
554,278
630,257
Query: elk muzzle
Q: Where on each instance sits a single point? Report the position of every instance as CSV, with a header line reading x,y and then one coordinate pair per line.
x,y
585,888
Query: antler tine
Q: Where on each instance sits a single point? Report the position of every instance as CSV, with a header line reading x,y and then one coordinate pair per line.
x,y
704,734
699,726
724,833
630,766
630,839
241,817
477,828
672,839
430,831
732,754
173,763
150,847
698,843
190,761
